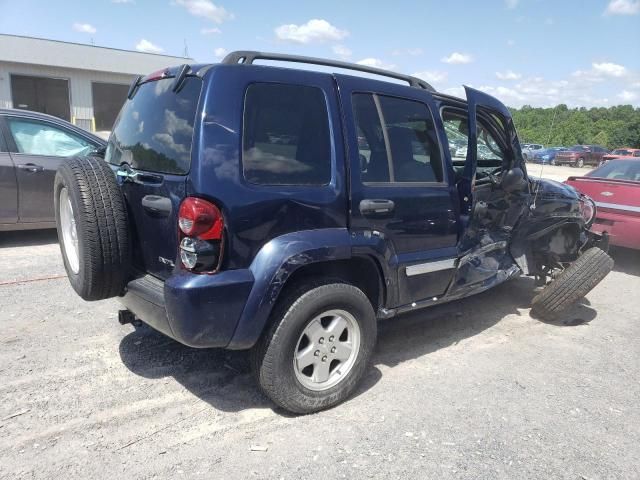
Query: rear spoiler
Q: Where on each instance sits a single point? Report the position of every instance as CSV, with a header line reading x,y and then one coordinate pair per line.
x,y
601,179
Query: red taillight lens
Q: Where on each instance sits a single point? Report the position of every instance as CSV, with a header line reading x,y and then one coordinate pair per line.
x,y
200,218
201,226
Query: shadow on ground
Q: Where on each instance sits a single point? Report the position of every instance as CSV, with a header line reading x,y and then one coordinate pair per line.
x,y
222,378
28,238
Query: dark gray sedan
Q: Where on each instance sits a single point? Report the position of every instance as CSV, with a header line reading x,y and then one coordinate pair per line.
x,y
32,145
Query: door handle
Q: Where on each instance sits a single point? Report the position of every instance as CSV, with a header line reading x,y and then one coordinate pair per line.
x,y
31,167
376,206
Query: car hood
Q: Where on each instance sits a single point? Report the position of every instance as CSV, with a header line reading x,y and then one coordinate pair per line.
x,y
550,189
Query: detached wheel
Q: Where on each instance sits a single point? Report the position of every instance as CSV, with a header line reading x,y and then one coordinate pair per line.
x,y
572,284
318,347
91,219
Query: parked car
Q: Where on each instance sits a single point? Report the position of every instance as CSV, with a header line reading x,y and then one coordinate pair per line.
x,y
615,187
217,234
547,155
621,152
581,155
32,145
530,149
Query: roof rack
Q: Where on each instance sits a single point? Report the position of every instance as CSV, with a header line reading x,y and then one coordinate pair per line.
x,y
248,57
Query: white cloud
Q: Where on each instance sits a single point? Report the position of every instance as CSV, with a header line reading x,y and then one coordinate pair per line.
x,y
609,69
623,7
122,1
549,21
220,52
508,75
206,9
511,4
627,96
458,58
432,76
315,30
375,62
209,31
146,46
341,51
511,43
84,28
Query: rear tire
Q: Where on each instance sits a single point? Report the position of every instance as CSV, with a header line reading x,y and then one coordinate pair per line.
x,y
274,358
572,284
91,213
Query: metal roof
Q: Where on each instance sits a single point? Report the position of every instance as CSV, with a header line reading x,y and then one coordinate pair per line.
x,y
54,53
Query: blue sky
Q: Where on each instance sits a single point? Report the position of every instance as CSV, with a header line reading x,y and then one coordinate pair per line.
x,y
537,52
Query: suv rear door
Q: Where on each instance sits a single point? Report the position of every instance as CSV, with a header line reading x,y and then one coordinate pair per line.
x,y
150,149
403,200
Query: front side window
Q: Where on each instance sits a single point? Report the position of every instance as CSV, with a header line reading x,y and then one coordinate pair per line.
x,y
397,140
33,137
286,139
489,153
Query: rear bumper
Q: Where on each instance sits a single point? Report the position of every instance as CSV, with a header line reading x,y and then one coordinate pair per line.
x,y
197,310
623,230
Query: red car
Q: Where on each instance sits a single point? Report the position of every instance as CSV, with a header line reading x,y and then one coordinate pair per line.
x,y
615,189
581,155
621,152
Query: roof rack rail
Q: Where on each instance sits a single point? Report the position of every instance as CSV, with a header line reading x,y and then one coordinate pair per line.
x,y
248,57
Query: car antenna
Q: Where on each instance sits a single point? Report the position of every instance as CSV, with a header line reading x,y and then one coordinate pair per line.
x,y
553,119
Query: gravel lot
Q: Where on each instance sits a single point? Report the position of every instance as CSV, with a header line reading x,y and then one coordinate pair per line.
x,y
474,389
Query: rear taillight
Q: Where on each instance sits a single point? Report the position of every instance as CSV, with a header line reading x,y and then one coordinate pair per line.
x,y
201,230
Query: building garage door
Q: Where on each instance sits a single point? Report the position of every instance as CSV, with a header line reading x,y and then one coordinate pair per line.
x,y
41,94
107,101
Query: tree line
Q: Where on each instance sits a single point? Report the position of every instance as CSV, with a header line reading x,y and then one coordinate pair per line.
x,y
610,127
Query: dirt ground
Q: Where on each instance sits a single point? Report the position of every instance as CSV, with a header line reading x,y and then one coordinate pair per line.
x,y
476,389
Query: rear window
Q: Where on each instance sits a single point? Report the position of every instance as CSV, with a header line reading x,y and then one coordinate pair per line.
x,y
618,170
154,130
286,137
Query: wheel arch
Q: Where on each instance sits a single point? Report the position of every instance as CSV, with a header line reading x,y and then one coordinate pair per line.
x,y
299,257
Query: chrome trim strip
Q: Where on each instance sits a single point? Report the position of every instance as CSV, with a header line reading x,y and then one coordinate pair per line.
x,y
617,206
429,267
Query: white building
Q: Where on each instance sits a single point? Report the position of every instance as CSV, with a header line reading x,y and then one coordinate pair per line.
x,y
83,84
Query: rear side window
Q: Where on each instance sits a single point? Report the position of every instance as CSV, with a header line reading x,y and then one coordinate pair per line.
x,y
397,140
286,137
154,130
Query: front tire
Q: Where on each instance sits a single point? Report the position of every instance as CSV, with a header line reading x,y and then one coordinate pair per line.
x,y
318,347
580,163
572,284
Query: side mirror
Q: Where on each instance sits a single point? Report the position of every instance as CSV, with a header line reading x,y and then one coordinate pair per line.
x,y
513,180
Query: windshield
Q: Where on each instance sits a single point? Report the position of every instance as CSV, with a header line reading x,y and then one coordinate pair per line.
x,y
621,151
618,170
577,148
154,130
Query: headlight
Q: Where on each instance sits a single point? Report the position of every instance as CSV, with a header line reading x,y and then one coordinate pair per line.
x,y
587,209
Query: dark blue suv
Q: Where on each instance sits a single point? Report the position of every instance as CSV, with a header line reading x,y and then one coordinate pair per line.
x,y
285,211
